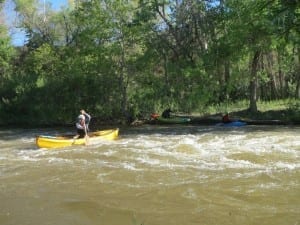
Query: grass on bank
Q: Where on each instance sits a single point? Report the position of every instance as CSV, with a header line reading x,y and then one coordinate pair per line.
x,y
283,110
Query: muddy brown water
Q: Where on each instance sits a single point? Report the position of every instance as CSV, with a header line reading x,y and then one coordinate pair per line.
x,y
154,175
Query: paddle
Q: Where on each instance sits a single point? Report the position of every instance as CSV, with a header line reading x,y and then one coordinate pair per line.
x,y
86,135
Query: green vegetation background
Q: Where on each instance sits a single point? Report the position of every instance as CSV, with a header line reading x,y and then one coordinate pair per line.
x,y
123,60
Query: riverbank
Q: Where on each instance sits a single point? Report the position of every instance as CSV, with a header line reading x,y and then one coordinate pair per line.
x,y
281,112
271,117
270,113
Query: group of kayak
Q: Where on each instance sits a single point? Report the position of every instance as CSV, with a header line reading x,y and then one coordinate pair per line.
x,y
166,118
84,137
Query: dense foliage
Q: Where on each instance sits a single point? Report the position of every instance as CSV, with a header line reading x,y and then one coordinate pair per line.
x,y
119,59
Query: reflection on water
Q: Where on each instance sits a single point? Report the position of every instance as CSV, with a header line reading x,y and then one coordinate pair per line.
x,y
154,175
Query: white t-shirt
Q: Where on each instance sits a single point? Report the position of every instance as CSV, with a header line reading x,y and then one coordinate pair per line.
x,y
79,119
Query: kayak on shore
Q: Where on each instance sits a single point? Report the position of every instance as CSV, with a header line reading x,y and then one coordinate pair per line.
x,y
174,120
157,119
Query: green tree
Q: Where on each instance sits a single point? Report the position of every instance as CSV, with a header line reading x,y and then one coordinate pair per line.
x,y
6,68
123,58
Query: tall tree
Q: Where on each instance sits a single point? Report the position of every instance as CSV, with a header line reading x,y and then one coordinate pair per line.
x,y
6,67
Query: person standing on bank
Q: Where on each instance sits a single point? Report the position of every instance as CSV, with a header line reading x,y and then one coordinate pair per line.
x,y
166,113
82,124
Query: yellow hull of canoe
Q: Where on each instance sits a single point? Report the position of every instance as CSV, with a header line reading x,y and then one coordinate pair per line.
x,y
66,141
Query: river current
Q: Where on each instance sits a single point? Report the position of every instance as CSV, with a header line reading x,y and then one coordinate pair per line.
x,y
154,175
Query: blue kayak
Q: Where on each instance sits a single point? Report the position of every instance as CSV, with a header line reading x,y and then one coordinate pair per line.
x,y
233,124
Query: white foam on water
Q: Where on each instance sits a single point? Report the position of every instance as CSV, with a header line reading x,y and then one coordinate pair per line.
x,y
211,151
128,166
198,150
56,160
286,165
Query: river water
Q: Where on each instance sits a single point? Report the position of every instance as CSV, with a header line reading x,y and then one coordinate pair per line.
x,y
154,175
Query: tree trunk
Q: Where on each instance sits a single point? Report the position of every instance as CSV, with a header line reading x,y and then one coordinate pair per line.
x,y
227,71
297,93
272,75
123,83
253,82
226,79
282,82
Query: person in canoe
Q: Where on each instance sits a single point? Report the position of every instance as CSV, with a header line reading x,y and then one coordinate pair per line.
x,y
87,119
226,119
166,113
82,124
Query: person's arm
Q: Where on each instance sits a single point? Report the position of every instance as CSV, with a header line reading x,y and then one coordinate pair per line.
x,y
88,116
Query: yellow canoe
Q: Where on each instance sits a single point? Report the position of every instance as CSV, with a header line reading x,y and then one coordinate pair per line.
x,y
65,141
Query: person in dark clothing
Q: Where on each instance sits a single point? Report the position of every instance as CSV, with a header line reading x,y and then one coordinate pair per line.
x,y
166,113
